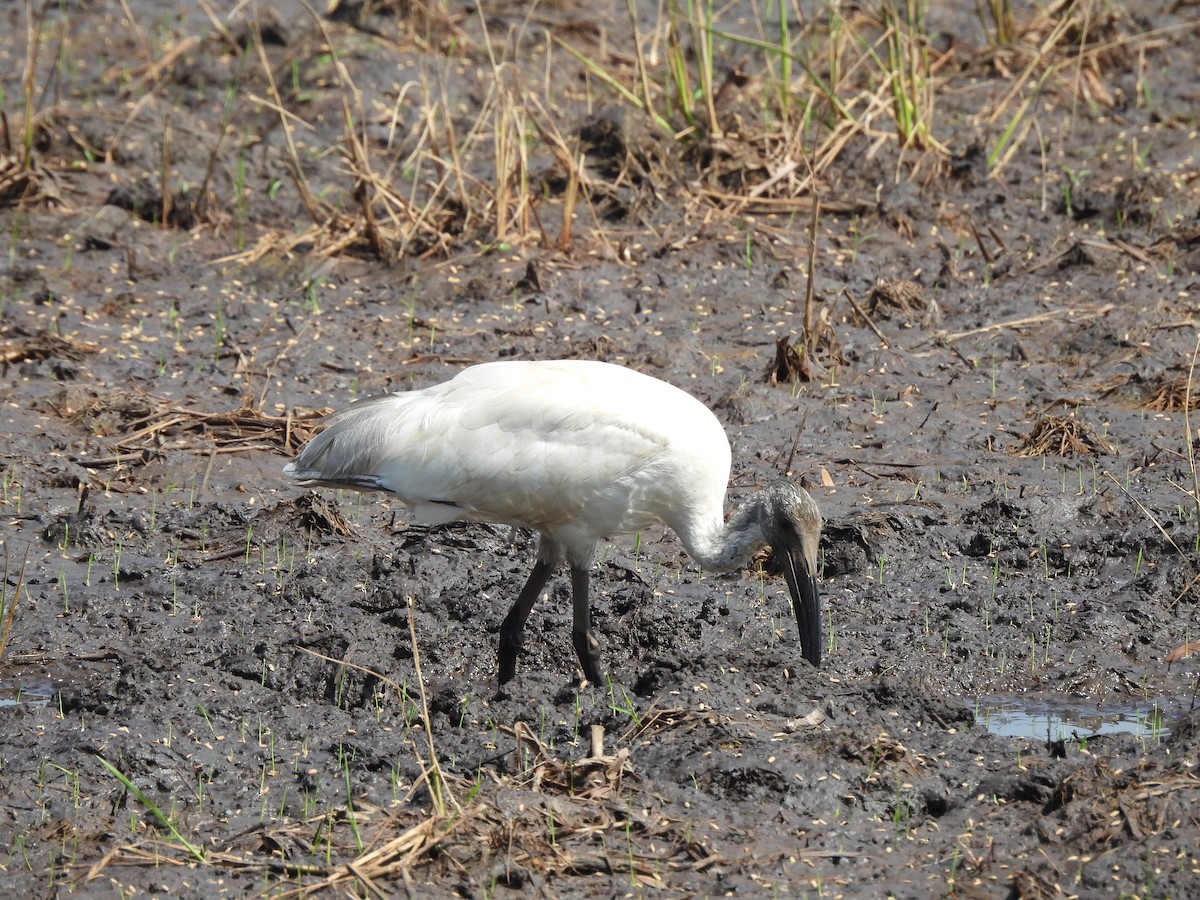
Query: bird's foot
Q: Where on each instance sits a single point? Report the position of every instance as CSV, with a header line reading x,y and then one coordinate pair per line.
x,y
587,648
595,680
509,648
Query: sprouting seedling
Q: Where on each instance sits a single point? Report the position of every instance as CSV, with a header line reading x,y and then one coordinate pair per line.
x,y
204,715
410,309
902,814
202,778
72,778
633,877
625,705
196,852
351,817
117,565
241,202
1188,394
339,691
998,21
877,405
219,321
311,292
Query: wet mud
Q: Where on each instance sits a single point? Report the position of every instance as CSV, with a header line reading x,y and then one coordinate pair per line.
x,y
213,681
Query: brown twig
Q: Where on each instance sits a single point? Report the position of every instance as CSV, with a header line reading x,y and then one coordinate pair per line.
x,y
866,318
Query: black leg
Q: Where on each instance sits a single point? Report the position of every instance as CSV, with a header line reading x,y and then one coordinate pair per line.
x,y
512,631
586,646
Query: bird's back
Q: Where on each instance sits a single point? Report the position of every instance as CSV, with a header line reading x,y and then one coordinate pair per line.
x,y
576,449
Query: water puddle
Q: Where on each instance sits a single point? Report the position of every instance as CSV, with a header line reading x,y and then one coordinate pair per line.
x,y
36,682
31,691
1051,718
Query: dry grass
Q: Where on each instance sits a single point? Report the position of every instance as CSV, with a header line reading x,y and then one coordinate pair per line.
x,y
1063,436
139,426
9,600
43,346
902,299
743,118
1173,393
555,816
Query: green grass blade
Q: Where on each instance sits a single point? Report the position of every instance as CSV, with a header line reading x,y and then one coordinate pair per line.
x,y
191,848
612,82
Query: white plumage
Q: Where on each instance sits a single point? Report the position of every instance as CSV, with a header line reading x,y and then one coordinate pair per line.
x,y
578,451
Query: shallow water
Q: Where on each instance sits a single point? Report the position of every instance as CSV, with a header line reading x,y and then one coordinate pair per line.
x,y
1055,718
30,691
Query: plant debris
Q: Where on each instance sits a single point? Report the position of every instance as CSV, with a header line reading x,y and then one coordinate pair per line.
x,y
1063,436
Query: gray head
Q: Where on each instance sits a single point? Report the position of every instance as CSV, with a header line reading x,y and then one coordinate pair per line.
x,y
791,523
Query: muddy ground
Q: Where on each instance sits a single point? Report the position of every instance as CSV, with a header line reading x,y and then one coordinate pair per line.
x,y
996,436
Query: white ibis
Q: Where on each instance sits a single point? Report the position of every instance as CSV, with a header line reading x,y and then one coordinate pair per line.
x,y
577,451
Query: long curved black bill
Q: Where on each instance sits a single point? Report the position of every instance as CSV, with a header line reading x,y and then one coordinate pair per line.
x,y
806,599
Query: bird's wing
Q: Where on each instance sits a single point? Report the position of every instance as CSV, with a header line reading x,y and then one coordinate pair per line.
x,y
536,444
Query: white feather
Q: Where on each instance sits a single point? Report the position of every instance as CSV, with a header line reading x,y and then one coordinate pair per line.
x,y
575,449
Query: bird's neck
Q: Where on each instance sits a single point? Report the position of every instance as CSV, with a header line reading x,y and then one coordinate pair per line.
x,y
722,546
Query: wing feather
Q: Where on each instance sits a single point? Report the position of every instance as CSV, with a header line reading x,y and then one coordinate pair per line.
x,y
537,444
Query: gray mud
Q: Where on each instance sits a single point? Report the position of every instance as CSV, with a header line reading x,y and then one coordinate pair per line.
x,y
997,441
